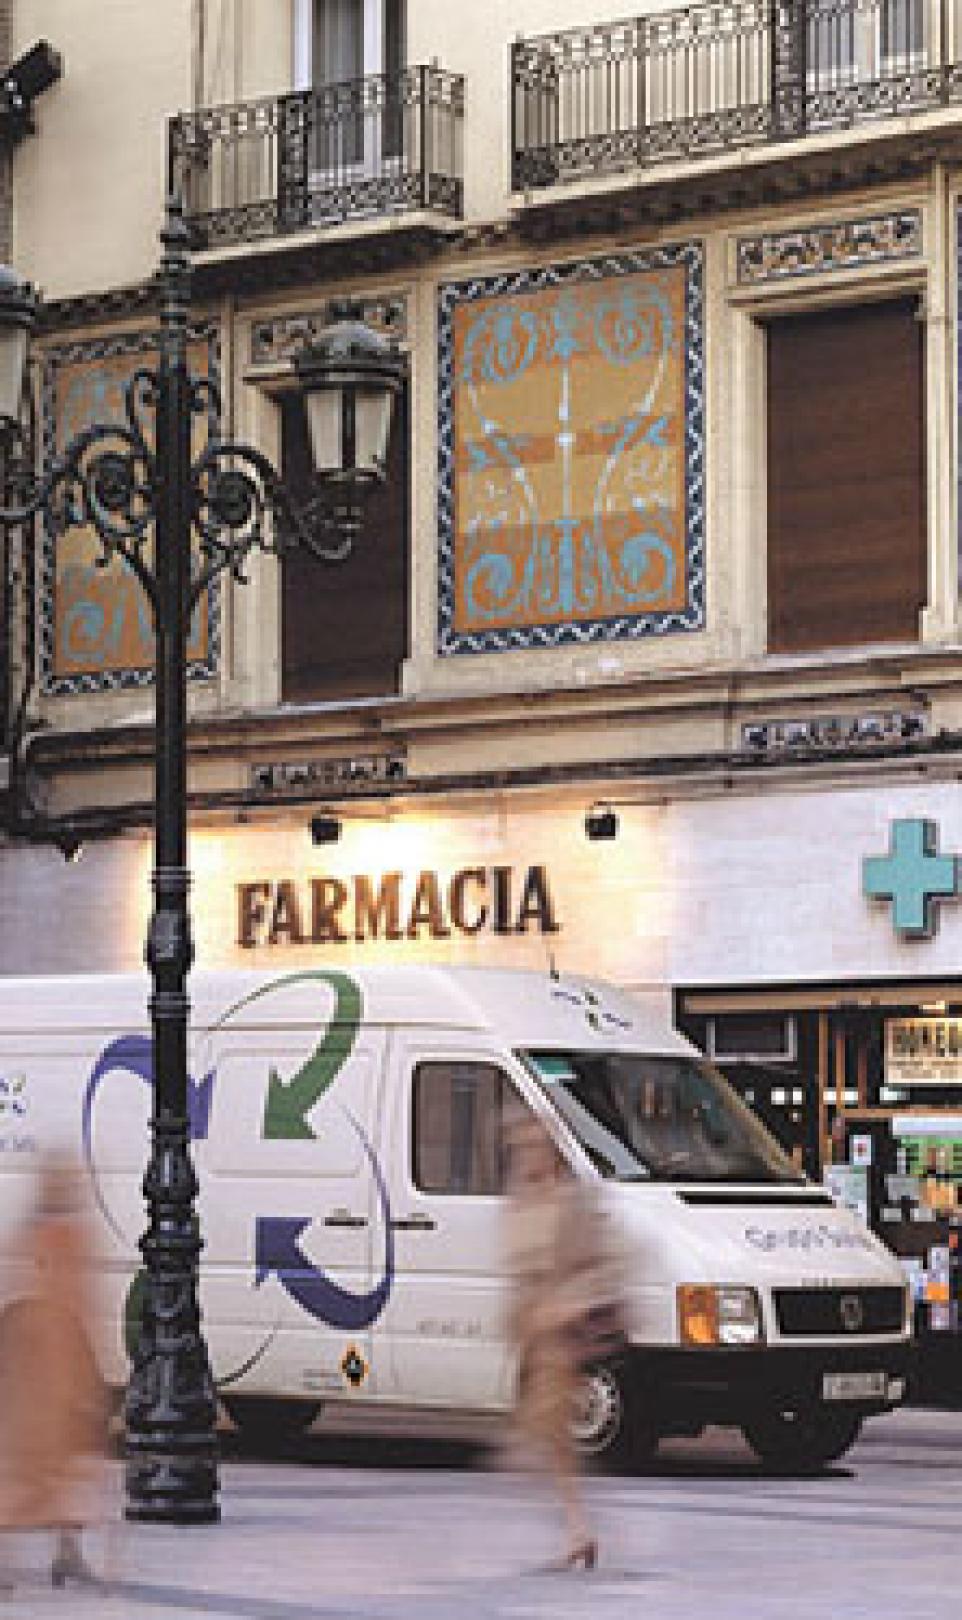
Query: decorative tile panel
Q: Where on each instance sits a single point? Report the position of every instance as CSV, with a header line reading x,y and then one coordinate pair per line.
x,y
838,245
96,633
279,338
571,453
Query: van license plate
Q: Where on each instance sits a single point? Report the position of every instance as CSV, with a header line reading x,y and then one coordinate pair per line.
x,y
856,1386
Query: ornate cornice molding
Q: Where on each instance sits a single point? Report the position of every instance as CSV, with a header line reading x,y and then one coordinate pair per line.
x,y
641,200
101,308
636,200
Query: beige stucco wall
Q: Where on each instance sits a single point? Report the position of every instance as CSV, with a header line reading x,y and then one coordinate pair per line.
x,y
88,197
729,888
734,637
475,40
88,189
95,179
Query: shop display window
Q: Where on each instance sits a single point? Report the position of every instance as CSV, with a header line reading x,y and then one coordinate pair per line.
x,y
868,1099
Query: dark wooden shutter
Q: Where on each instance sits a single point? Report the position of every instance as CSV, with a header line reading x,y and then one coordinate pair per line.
x,y
846,477
344,626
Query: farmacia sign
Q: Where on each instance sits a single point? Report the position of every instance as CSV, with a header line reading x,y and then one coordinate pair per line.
x,y
395,906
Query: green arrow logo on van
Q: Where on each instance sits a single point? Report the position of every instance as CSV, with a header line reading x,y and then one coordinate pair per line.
x,y
290,1101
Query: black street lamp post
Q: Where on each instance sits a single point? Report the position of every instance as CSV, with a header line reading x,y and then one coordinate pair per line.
x,y
205,515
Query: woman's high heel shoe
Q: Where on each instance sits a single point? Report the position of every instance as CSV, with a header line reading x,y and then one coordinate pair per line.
x,y
584,1555
69,1564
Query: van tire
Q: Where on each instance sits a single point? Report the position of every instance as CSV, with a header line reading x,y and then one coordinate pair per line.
x,y
608,1425
802,1441
264,1421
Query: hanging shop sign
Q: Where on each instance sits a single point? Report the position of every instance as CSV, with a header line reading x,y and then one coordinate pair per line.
x,y
923,1051
395,906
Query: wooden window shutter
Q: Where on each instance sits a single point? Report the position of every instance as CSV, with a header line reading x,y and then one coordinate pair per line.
x,y
344,626
847,555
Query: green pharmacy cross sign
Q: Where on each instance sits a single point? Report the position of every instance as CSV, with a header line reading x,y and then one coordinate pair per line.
x,y
913,875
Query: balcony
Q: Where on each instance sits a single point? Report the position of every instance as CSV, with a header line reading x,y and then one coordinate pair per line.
x,y
378,146
682,84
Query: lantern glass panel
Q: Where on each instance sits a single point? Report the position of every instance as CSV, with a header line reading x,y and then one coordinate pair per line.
x,y
325,421
13,366
372,429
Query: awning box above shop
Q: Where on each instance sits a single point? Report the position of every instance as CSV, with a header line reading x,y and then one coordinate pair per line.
x,y
820,997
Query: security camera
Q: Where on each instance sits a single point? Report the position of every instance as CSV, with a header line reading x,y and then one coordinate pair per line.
x,y
601,823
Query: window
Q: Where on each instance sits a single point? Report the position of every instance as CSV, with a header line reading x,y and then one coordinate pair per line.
x,y
849,43
336,40
337,69
847,545
752,1037
459,1111
339,45
831,43
344,626
901,33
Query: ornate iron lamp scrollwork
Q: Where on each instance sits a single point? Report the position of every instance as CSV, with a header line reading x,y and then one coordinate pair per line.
x,y
178,519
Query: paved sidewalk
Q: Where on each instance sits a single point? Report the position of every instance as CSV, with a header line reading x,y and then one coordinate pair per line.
x,y
705,1535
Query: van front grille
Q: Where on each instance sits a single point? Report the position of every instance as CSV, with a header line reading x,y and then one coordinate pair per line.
x,y
838,1312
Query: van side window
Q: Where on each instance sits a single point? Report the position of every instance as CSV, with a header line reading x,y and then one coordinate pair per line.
x,y
458,1112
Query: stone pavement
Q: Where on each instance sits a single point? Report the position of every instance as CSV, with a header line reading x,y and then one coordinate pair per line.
x,y
704,1533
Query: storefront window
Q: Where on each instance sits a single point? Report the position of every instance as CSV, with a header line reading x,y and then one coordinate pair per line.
x,y
868,1096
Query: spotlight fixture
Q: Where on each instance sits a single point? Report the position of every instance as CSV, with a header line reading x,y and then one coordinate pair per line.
x,y
71,847
20,83
601,823
325,829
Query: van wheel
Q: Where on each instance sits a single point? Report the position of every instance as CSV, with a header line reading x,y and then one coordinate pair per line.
x,y
804,1440
607,1423
266,1422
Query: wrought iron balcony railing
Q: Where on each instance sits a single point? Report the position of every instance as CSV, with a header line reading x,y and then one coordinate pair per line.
x,y
676,84
384,144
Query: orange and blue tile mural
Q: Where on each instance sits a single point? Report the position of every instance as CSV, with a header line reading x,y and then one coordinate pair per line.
x,y
571,500
96,629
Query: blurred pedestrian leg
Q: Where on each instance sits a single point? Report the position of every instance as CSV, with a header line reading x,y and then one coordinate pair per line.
x,y
53,1411
548,1237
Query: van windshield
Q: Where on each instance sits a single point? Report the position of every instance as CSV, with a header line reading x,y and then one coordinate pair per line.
x,y
658,1118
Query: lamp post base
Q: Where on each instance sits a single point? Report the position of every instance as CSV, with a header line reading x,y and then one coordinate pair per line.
x,y
171,1448
170,1411
163,1490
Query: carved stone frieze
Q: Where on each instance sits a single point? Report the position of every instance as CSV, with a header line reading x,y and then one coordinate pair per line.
x,y
279,337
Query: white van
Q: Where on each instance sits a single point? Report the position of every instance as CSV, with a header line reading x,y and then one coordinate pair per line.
x,y
349,1140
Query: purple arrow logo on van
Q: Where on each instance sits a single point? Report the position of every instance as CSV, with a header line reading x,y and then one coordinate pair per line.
x,y
133,1054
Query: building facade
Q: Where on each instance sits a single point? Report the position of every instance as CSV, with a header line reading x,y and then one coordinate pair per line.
x,y
669,536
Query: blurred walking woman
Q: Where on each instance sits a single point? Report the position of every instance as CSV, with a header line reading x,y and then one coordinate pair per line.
x,y
556,1269
51,1405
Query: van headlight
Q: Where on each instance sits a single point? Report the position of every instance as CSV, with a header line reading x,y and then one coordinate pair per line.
x,y
708,1315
